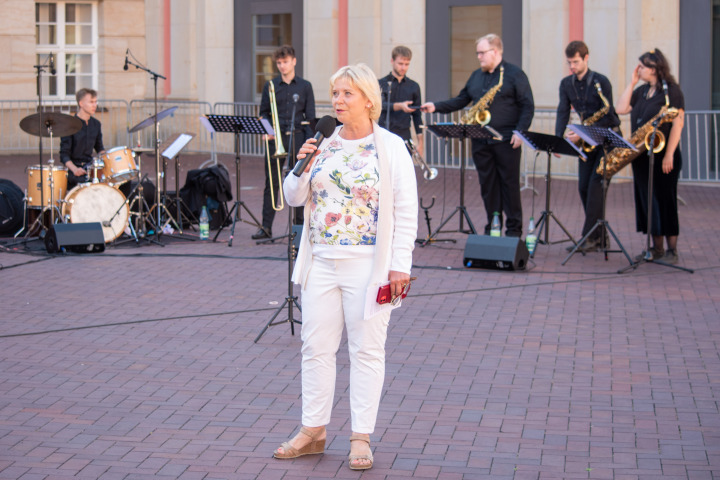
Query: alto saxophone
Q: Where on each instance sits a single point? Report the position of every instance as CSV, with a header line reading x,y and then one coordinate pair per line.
x,y
619,157
478,113
594,118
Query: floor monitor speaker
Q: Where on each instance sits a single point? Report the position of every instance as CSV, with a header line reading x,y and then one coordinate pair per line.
x,y
499,253
75,237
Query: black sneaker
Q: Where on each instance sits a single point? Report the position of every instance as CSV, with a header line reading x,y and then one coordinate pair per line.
x,y
670,257
655,254
262,233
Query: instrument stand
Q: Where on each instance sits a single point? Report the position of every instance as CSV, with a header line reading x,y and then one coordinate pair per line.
x,y
291,299
608,139
647,256
236,124
462,132
143,220
549,144
428,238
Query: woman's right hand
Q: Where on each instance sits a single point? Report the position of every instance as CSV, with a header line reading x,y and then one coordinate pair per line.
x,y
308,148
635,75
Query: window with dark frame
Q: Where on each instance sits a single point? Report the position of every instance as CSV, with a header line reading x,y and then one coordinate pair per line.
x,y
270,31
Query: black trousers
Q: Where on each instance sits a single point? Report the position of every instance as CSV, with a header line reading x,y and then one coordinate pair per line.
x,y
268,212
665,220
498,168
590,190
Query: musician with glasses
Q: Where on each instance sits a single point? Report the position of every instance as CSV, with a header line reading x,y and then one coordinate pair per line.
x,y
511,108
287,84
404,93
580,91
643,103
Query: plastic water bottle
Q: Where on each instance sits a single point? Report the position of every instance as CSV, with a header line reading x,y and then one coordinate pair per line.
x,y
495,225
531,238
204,224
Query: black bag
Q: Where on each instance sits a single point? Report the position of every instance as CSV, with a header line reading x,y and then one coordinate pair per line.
x,y
209,187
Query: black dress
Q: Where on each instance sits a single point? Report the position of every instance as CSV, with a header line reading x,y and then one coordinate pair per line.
x,y
664,211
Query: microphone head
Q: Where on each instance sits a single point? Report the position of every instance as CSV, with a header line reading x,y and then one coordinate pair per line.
x,y
296,97
326,125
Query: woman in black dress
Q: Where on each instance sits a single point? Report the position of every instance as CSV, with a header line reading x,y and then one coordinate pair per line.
x,y
644,103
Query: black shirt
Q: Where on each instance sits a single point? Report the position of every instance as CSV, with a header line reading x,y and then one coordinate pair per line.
x,y
305,110
643,108
78,147
400,92
582,95
513,107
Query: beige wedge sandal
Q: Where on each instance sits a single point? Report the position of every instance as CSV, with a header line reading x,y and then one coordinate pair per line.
x,y
355,458
315,446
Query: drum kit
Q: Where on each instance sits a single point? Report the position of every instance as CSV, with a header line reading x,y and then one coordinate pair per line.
x,y
97,200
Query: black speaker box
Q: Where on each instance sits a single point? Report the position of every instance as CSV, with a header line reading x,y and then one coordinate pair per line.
x,y
75,237
499,253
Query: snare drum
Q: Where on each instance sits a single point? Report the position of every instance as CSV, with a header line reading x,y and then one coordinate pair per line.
x,y
119,165
57,174
98,202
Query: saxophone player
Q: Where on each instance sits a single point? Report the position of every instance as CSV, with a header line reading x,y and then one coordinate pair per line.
x,y
511,108
659,90
584,90
287,85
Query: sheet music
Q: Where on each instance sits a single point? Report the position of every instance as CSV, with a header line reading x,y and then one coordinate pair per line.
x,y
174,148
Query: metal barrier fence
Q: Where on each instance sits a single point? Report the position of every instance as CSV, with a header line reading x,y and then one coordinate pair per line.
x,y
700,142
112,113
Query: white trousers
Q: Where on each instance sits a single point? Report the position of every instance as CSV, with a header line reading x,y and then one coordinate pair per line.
x,y
335,297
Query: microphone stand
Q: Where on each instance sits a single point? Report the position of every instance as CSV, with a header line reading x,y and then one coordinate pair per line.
x,y
647,255
155,77
389,107
291,299
40,69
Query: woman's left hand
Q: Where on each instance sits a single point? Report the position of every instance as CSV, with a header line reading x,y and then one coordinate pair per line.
x,y
398,281
667,163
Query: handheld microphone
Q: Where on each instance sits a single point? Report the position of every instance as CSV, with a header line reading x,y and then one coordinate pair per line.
x,y
323,129
52,65
126,59
296,97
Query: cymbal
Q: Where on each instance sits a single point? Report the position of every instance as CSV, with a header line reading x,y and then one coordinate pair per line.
x,y
151,120
39,124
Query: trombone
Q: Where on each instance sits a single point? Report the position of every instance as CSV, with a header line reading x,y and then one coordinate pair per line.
x,y
279,152
429,173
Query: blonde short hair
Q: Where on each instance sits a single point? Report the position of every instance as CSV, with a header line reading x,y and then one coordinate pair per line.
x,y
363,78
493,40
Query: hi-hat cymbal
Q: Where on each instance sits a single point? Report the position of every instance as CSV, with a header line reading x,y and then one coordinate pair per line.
x,y
61,124
151,120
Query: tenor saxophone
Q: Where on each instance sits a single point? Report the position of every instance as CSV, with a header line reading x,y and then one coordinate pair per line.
x,y
619,157
594,118
479,113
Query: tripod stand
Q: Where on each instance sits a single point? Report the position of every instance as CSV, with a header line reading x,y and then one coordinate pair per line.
x,y
647,255
607,138
236,124
462,132
549,144
291,299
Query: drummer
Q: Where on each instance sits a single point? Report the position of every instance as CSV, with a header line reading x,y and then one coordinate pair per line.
x,y
76,151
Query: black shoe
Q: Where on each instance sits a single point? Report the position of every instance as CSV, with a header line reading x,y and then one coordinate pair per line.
x,y
262,233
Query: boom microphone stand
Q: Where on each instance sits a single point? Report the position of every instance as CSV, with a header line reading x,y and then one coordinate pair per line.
x,y
291,299
647,255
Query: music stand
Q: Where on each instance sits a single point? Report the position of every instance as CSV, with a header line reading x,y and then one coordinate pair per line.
x,y
236,124
549,144
608,139
171,150
461,131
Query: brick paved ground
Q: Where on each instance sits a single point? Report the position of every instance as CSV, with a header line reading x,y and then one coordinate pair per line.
x,y
140,362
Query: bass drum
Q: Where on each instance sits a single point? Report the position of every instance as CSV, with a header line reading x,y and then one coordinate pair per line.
x,y
98,202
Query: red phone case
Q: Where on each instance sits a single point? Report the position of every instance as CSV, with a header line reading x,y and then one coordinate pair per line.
x,y
384,295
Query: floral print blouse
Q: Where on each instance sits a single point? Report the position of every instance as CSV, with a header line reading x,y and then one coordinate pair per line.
x,y
345,186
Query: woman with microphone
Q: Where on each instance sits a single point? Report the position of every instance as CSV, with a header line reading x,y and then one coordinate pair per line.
x,y
360,199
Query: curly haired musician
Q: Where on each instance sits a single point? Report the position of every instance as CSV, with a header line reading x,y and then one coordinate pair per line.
x,y
579,90
643,103
513,107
